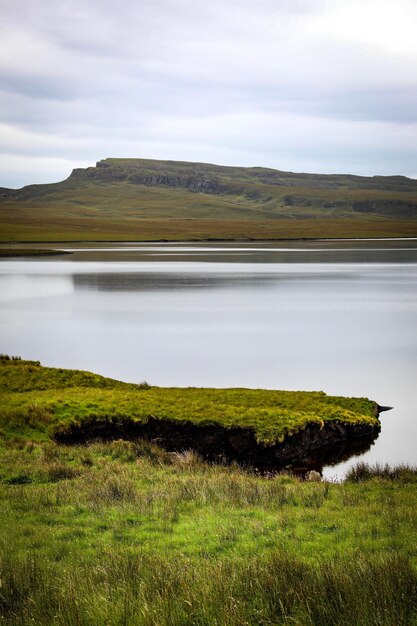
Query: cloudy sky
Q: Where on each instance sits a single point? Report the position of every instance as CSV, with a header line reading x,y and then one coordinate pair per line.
x,y
301,85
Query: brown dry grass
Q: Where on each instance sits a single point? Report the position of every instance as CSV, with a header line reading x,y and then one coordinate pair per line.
x,y
27,227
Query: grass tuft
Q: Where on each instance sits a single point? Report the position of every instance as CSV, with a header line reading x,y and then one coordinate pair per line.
x,y
363,472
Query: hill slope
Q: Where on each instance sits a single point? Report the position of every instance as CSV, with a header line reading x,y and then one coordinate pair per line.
x,y
141,199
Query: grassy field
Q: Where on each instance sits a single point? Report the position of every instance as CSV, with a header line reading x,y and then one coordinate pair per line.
x,y
40,401
38,226
126,533
136,199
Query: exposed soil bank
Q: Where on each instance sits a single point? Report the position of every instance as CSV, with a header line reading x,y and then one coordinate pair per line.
x,y
312,447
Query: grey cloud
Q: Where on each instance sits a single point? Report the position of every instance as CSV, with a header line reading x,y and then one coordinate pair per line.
x,y
208,81
37,87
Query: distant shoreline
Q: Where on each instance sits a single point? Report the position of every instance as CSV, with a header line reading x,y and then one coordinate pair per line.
x,y
184,241
11,252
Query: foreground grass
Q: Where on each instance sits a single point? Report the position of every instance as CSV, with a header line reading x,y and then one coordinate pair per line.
x,y
126,533
40,401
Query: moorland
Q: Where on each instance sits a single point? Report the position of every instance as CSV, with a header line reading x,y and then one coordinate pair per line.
x,y
151,200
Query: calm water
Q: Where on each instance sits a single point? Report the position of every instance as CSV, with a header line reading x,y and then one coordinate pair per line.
x,y
334,316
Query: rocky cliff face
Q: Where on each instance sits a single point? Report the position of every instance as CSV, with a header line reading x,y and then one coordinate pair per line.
x,y
137,176
218,179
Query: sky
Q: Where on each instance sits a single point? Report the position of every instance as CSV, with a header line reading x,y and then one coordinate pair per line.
x,y
327,86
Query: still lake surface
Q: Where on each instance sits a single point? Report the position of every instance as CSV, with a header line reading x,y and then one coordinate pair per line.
x,y
336,316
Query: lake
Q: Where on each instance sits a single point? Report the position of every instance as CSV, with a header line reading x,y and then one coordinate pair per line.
x,y
337,316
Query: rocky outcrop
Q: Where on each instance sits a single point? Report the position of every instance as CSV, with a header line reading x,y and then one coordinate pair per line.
x,y
167,172
398,207
395,207
104,172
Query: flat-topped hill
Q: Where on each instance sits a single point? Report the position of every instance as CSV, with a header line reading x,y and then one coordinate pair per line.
x,y
227,179
143,199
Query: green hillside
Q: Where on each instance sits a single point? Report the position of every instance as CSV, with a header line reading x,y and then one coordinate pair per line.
x,y
122,199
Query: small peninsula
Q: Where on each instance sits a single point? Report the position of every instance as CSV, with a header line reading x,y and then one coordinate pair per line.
x,y
24,252
255,427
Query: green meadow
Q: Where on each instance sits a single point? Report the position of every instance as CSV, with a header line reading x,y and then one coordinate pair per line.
x,y
126,533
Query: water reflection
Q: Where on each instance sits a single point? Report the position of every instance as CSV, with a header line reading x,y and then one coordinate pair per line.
x,y
171,280
332,455
164,281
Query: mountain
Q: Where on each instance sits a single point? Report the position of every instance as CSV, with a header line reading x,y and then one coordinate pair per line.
x,y
142,199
